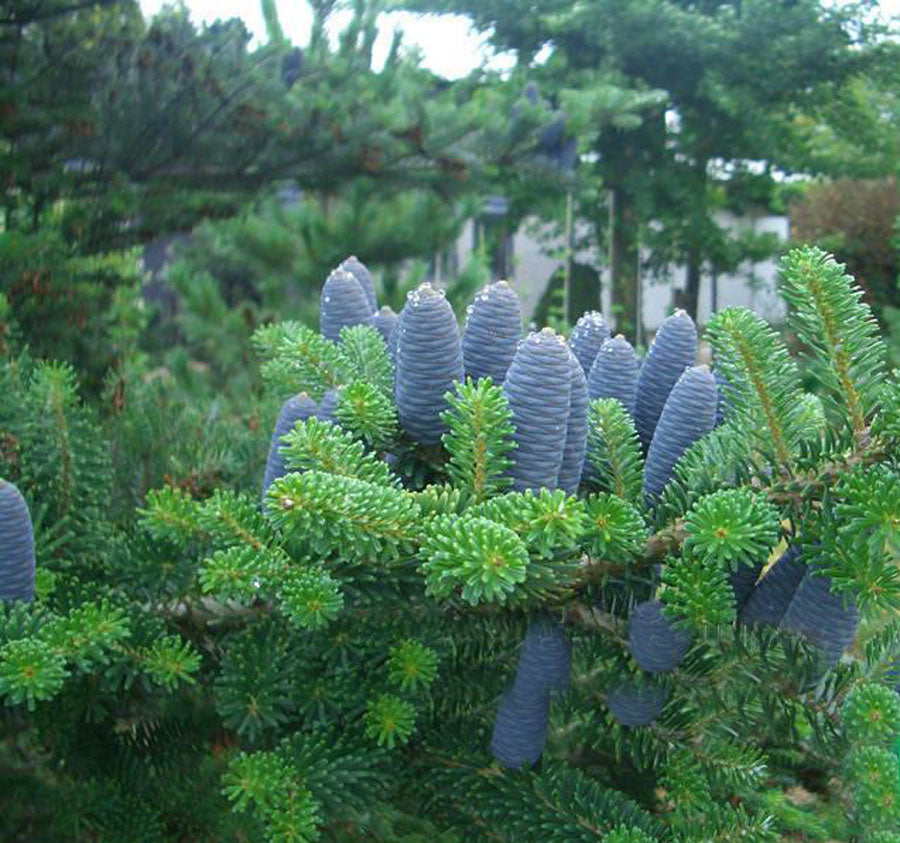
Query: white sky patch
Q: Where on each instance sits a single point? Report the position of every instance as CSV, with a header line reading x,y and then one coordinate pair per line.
x,y
448,44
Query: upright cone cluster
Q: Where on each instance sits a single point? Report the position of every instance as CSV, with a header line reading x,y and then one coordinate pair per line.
x,y
428,363
17,559
492,332
520,728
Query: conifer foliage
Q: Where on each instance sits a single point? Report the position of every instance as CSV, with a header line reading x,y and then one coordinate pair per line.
x,y
442,621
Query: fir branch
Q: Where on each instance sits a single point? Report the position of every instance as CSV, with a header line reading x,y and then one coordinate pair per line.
x,y
830,318
761,381
614,451
478,438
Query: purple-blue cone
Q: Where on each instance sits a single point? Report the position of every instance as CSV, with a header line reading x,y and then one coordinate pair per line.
x,y
361,273
576,430
689,414
825,618
537,387
587,337
492,332
546,658
384,321
343,303
615,373
674,349
394,338
428,363
656,645
520,728
327,406
299,408
16,546
770,599
743,581
634,703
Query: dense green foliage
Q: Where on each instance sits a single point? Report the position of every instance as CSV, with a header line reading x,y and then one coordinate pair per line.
x,y
330,666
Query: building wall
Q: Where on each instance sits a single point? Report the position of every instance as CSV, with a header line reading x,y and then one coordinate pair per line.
x,y
537,255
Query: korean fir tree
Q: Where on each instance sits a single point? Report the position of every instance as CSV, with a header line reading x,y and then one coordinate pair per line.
x,y
427,629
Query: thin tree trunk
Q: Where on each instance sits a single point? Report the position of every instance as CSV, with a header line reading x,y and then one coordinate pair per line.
x,y
623,260
692,285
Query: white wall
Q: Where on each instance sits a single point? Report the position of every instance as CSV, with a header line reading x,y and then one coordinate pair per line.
x,y
537,256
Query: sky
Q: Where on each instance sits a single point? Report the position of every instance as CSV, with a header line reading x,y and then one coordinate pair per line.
x,y
449,46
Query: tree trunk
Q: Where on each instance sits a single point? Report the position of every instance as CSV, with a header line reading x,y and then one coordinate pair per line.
x,y
623,262
692,283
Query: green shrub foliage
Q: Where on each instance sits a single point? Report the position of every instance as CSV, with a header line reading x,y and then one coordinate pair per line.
x,y
431,628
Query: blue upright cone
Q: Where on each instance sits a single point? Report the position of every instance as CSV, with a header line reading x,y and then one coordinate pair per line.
x,y
770,599
492,333
546,657
520,728
743,581
16,546
429,363
296,409
537,387
343,303
384,321
615,373
673,350
587,337
656,645
690,413
361,273
826,619
634,703
576,431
